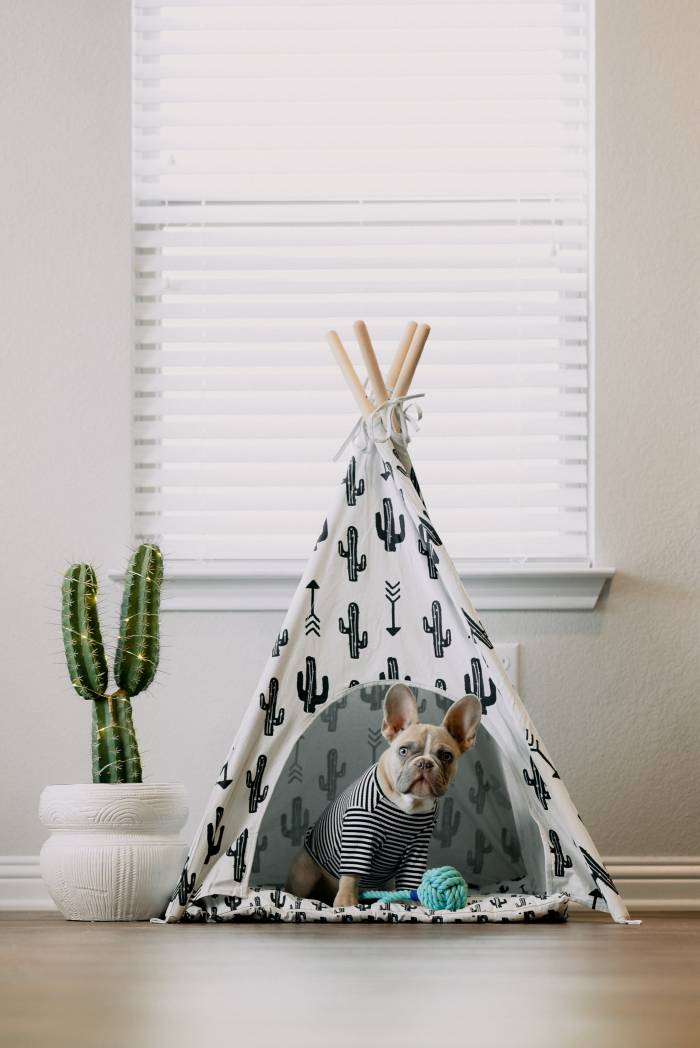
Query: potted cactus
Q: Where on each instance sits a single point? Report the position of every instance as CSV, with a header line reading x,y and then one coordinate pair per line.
x,y
114,852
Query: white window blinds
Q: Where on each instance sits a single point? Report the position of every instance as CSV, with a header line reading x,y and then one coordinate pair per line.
x,y
299,165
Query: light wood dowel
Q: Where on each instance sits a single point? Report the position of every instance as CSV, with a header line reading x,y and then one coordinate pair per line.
x,y
408,370
376,380
400,354
363,402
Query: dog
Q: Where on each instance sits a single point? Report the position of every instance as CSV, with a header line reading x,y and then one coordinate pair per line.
x,y
379,829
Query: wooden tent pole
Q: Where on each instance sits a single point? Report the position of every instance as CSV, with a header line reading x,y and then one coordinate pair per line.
x,y
370,358
410,364
363,402
400,354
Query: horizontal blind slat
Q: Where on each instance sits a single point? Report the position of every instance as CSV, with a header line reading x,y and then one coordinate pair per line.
x,y
300,164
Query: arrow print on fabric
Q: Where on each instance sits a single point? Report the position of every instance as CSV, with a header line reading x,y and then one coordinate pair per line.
x,y
392,591
224,782
312,623
296,771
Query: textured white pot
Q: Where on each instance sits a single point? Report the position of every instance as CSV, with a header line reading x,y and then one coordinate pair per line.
x,y
114,853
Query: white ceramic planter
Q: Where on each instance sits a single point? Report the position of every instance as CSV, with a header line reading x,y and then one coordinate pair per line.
x,y
114,853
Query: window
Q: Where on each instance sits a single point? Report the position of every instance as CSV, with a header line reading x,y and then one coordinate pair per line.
x,y
299,165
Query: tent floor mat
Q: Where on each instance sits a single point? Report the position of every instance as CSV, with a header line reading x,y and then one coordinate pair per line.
x,y
277,905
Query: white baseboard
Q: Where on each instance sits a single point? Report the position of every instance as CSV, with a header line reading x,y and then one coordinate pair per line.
x,y
646,883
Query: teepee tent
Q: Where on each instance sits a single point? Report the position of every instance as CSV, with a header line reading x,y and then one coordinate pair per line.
x,y
380,600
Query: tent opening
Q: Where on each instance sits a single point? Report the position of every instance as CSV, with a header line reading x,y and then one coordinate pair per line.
x,y
483,827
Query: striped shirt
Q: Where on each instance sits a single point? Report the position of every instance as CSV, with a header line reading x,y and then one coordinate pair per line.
x,y
364,833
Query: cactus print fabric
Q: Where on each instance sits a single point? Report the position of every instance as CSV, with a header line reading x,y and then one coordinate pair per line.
x,y
380,600
281,906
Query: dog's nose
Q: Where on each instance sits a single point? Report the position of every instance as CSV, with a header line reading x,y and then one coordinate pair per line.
x,y
425,763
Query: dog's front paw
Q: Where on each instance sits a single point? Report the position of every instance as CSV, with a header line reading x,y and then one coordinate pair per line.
x,y
345,898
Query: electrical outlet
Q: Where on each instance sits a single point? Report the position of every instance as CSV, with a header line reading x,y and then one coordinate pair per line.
x,y
509,654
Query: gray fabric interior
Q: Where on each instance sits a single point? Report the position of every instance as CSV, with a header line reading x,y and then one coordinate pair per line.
x,y
476,828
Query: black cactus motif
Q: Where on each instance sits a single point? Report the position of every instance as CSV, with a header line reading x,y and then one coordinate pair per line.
x,y
562,862
262,847
427,549
269,707
357,641
224,781
296,827
306,687
534,747
237,853
329,784
354,565
474,685
478,796
497,903
477,631
449,823
185,886
330,716
387,472
215,832
282,640
253,783
278,898
538,784
352,490
392,670
598,872
385,526
511,846
475,859
324,534
440,640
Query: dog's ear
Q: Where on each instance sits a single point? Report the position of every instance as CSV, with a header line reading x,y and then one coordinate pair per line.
x,y
462,720
400,711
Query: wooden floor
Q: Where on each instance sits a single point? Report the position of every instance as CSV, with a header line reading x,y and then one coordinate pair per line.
x,y
589,982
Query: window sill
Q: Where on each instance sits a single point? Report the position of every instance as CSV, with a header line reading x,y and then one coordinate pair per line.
x,y
269,586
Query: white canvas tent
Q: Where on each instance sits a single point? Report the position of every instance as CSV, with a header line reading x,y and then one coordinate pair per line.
x,y
380,600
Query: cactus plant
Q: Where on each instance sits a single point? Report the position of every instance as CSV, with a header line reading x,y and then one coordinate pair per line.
x,y
115,751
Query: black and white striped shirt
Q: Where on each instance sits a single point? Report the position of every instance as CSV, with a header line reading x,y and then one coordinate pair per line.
x,y
364,833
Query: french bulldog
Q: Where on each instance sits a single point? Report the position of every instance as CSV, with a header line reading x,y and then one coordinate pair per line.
x,y
378,830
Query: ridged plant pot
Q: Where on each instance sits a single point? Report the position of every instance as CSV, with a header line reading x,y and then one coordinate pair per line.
x,y
114,853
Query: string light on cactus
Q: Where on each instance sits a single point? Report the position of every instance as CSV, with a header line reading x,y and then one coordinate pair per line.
x,y
115,753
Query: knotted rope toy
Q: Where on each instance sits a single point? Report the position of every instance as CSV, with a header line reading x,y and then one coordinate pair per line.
x,y
442,888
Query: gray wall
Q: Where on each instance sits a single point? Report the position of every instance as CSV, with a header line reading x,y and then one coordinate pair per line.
x,y
614,691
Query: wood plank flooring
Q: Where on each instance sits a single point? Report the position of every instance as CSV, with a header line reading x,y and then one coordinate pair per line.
x,y
585,983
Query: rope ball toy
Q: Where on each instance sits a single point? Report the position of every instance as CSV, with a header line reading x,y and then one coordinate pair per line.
x,y
442,888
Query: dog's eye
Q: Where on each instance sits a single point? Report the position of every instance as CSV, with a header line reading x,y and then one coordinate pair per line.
x,y
445,756
403,750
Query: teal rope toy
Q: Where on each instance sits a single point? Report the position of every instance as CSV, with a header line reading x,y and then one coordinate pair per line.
x,y
442,888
